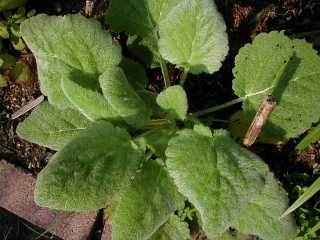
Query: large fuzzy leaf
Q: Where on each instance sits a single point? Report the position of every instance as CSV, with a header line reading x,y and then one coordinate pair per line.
x,y
122,97
287,69
174,229
140,17
193,35
216,175
89,171
145,205
89,102
174,102
262,216
51,127
68,45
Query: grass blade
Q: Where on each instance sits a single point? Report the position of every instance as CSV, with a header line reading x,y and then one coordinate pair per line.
x,y
313,189
312,136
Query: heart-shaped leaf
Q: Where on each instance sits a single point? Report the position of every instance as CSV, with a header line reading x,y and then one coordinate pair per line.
x,y
89,172
193,36
216,175
287,69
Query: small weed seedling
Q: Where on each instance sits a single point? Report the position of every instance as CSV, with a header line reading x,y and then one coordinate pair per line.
x,y
141,155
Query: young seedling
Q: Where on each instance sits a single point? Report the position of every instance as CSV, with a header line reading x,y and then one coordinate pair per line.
x,y
141,155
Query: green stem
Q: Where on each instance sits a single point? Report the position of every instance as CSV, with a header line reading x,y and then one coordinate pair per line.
x,y
230,103
157,122
184,76
165,73
219,107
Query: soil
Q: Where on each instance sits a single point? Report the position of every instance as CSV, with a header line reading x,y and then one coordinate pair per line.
x,y
245,19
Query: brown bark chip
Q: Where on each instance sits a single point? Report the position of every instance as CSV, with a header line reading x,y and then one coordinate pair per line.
x,y
16,196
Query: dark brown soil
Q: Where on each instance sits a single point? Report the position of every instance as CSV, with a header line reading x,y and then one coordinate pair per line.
x,y
245,19
12,98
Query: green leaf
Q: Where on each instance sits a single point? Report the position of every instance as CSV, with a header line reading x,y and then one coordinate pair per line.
x,y
51,127
10,4
287,69
311,191
174,229
21,72
89,102
135,73
3,81
8,61
202,130
193,36
216,175
122,97
233,236
157,139
150,99
87,49
145,205
88,173
174,102
4,33
139,48
138,17
313,135
262,216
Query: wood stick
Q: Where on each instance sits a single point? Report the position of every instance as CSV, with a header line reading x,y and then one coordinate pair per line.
x,y
259,120
89,8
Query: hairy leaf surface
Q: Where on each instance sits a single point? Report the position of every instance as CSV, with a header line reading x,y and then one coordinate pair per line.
x,y
145,205
140,17
89,171
174,102
122,97
51,127
262,216
157,139
89,102
68,45
193,36
174,229
216,175
287,69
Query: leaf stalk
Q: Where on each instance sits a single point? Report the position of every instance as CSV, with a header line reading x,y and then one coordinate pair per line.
x,y
165,73
184,76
